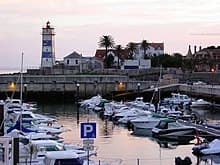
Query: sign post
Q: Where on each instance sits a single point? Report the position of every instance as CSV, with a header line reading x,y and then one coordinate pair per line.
x,y
88,132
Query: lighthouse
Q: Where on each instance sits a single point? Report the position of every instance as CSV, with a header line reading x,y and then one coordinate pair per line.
x,y
48,47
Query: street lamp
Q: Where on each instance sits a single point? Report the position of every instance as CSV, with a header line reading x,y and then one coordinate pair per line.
x,y
77,101
138,88
12,86
77,87
95,87
25,91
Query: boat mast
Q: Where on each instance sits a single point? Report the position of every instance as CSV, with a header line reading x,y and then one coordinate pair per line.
x,y
21,89
160,78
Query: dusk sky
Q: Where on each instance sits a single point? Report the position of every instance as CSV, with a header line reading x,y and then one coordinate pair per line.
x,y
80,23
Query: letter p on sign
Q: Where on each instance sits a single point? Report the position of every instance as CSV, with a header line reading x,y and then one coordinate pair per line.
x,y
88,130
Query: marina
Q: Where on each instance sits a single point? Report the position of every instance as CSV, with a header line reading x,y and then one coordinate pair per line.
x,y
117,142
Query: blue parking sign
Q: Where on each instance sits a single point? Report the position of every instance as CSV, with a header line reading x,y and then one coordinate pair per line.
x,y
88,130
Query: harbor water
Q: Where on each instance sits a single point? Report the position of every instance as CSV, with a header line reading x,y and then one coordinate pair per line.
x,y
115,143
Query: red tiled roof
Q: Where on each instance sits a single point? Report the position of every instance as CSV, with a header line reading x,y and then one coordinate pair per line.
x,y
100,53
157,45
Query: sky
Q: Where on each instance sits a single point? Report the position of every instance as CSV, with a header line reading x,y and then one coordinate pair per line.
x,y
79,24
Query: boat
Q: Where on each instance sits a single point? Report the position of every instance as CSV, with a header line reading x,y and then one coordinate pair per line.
x,y
90,103
178,99
143,125
200,103
42,147
140,104
18,105
207,148
62,158
173,130
28,126
113,107
128,114
72,158
28,115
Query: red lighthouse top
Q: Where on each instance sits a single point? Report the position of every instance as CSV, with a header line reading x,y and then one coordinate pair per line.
x,y
48,24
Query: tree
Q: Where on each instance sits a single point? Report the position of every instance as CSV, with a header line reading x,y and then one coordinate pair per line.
x,y
145,46
109,61
106,41
118,50
167,60
131,48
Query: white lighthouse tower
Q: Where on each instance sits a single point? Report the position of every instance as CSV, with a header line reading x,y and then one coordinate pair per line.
x,y
48,47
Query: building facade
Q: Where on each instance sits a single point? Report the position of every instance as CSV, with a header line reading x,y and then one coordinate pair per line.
x,y
206,59
154,49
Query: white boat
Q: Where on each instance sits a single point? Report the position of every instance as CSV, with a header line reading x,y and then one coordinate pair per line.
x,y
29,126
128,114
91,103
143,125
18,105
113,108
200,103
205,148
27,115
42,147
140,104
25,138
177,99
70,158
62,157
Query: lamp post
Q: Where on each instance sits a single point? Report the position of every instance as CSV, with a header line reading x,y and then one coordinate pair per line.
x,y
77,101
138,88
25,92
77,88
212,87
95,87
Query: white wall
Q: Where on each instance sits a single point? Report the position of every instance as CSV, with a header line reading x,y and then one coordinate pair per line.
x,y
137,64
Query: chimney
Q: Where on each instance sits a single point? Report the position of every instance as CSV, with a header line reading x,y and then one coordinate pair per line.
x,y
200,48
194,49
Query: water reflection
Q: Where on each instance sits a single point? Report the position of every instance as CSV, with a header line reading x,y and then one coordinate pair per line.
x,y
107,128
208,159
116,142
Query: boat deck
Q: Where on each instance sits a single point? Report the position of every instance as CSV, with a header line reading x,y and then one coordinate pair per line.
x,y
203,131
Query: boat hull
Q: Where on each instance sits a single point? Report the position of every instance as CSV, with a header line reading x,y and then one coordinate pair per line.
x,y
181,135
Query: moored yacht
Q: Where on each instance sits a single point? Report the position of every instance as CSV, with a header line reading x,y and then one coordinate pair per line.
x,y
143,125
171,129
200,103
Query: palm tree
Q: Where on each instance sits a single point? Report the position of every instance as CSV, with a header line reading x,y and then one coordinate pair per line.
x,y
131,48
118,50
145,46
106,41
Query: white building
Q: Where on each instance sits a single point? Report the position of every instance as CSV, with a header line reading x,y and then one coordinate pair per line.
x,y
73,59
77,61
136,64
154,49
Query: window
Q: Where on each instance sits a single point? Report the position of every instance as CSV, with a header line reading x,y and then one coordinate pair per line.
x,y
67,62
76,61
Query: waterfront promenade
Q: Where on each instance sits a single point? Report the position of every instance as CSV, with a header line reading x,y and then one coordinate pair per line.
x,y
89,85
